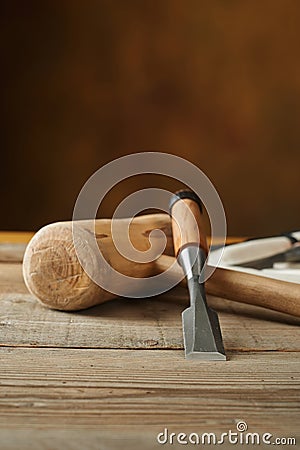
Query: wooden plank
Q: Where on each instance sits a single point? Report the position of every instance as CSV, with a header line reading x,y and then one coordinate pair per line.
x,y
109,438
99,397
125,323
12,252
16,236
105,438
71,388
11,279
136,324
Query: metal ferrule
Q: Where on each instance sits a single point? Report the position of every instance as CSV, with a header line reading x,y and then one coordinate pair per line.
x,y
192,259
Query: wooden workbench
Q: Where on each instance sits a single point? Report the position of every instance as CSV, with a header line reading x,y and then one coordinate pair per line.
x,y
114,376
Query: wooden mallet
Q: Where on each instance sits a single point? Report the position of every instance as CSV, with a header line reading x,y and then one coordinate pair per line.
x,y
53,273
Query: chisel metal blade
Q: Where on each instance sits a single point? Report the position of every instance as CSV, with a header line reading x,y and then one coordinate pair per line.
x,y
201,329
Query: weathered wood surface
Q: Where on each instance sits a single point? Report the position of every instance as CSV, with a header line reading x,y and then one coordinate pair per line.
x,y
114,376
118,387
126,323
12,252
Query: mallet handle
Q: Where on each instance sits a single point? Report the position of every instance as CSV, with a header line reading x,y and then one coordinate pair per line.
x,y
244,287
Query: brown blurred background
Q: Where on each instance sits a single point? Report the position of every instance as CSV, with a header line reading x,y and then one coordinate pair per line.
x,y
84,82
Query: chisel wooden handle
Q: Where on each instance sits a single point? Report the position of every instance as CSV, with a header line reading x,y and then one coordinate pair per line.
x,y
52,271
187,221
232,285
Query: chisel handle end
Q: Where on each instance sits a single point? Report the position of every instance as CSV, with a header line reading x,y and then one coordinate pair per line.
x,y
187,221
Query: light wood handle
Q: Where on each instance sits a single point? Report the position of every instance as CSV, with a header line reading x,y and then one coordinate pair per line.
x,y
54,275
52,271
247,288
187,221
242,287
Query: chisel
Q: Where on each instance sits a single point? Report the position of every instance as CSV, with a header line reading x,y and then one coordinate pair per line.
x,y
201,328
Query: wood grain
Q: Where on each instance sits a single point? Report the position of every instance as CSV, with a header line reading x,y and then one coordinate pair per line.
x,y
73,388
54,273
130,323
113,376
187,225
12,252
